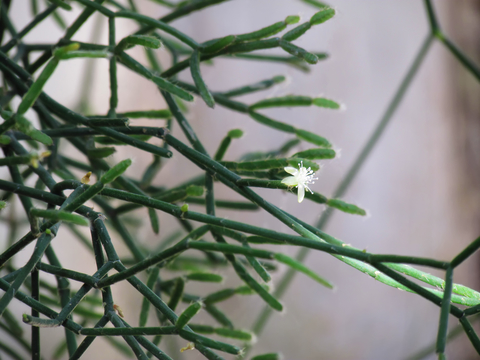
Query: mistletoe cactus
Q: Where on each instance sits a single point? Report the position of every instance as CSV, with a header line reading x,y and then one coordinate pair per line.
x,y
32,136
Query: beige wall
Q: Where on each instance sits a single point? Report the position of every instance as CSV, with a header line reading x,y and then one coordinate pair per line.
x,y
409,184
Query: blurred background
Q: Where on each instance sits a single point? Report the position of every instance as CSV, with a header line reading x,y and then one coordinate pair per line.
x,y
420,184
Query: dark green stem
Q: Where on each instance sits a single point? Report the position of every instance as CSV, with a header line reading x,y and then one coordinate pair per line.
x,y
445,312
35,350
112,69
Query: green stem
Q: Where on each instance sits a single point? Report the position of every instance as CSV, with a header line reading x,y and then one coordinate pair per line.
x,y
432,17
445,310
189,8
158,24
182,121
34,304
83,132
65,273
162,256
472,335
226,204
258,86
63,286
112,69
461,57
25,200
148,345
151,281
35,350
85,344
429,295
469,250
129,339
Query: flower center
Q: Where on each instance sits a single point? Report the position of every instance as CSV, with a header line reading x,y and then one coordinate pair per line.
x,y
305,176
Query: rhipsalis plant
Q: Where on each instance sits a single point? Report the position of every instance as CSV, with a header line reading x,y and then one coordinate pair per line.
x,y
32,136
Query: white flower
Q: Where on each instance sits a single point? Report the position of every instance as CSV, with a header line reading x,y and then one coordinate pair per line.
x,y
300,178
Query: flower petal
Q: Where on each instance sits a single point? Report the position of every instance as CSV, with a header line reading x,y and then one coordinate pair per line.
x,y
290,181
291,170
301,192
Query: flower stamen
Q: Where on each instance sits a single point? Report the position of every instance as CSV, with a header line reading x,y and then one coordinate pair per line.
x,y
300,178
